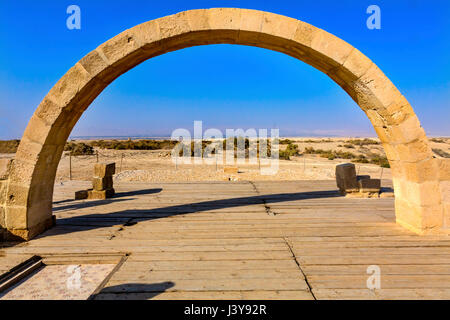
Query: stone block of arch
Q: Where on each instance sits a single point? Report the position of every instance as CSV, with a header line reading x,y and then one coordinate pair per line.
x,y
421,182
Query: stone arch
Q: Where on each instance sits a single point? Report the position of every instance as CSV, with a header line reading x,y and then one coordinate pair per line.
x,y
416,174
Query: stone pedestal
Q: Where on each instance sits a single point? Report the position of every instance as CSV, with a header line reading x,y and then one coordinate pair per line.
x,y
346,178
102,183
351,185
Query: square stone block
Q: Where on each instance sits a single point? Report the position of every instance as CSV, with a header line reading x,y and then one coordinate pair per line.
x,y
369,185
2,217
16,217
102,170
346,177
444,169
100,184
3,191
362,177
4,168
100,195
81,194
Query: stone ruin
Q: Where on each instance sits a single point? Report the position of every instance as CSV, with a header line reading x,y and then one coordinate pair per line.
x,y
102,183
352,185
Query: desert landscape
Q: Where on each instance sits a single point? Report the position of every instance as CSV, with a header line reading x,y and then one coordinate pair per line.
x,y
98,203
310,159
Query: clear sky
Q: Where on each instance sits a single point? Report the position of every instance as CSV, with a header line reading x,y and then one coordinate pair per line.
x,y
225,86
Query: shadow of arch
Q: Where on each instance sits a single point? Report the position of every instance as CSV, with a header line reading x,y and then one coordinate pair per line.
x,y
94,221
137,193
133,291
115,198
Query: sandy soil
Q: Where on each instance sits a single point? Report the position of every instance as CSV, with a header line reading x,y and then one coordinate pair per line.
x,y
157,166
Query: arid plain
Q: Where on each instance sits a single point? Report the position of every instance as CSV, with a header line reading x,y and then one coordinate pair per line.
x,y
312,162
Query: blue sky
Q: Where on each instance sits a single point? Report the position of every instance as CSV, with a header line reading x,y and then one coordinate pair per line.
x,y
225,86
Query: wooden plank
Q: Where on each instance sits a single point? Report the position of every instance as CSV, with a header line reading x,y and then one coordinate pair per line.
x,y
391,294
205,240
380,239
130,266
387,281
207,256
371,251
402,269
370,244
209,285
130,243
209,295
118,247
419,259
147,275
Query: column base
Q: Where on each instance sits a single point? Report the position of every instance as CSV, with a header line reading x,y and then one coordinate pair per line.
x,y
29,233
425,231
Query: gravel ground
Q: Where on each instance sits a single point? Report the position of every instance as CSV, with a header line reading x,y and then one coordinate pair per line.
x,y
157,165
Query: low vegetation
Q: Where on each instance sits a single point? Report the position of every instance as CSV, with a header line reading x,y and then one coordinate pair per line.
x,y
87,148
79,148
291,150
9,146
317,141
438,140
286,141
441,153
362,142
134,144
331,155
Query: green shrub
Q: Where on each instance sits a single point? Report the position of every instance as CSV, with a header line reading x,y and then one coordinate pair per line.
x,y
362,142
284,154
134,144
361,159
309,150
344,155
79,148
331,155
285,141
317,141
381,161
291,150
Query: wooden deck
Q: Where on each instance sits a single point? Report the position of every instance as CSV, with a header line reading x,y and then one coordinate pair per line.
x,y
242,240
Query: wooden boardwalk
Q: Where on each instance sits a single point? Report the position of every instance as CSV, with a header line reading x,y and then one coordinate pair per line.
x,y
241,240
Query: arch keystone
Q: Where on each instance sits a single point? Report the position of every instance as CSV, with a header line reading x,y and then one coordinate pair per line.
x,y
198,20
279,26
224,19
